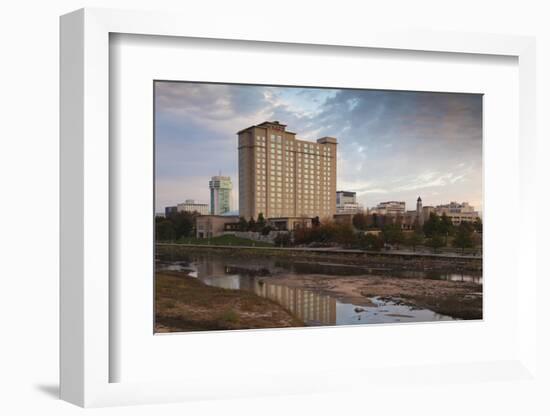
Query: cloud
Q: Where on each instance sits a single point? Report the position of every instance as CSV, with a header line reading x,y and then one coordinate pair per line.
x,y
393,144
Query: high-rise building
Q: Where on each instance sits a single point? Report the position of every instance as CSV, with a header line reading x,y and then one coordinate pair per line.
x,y
190,205
220,194
346,203
283,177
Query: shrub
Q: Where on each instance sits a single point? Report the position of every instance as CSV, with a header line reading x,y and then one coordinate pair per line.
x,y
282,240
371,242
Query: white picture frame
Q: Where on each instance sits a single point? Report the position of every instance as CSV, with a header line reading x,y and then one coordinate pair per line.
x,y
85,208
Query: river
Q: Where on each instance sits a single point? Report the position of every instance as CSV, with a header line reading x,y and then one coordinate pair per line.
x,y
314,308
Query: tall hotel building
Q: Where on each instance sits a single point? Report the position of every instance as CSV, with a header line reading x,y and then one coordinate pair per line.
x,y
283,177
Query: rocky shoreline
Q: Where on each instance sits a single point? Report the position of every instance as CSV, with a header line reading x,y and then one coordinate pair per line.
x,y
461,300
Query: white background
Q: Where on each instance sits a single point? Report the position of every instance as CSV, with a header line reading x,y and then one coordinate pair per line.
x,y
29,172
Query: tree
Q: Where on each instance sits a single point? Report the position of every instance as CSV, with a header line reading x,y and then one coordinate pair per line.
x,y
267,229
478,240
164,230
243,224
183,223
325,233
175,226
435,241
433,225
251,224
344,234
464,237
371,242
315,222
375,220
282,239
478,225
414,240
261,223
359,221
446,226
393,234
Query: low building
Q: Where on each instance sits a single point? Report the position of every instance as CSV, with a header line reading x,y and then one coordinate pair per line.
x,y
191,206
426,211
389,208
457,212
290,223
209,226
343,218
346,203
457,218
411,220
170,210
455,208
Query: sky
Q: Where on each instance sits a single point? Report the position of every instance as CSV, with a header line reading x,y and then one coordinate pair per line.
x,y
392,145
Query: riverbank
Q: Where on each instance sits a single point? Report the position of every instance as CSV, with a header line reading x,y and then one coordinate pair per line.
x,y
383,259
461,300
184,303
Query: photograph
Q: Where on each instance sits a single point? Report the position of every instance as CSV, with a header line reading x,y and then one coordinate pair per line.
x,y
299,206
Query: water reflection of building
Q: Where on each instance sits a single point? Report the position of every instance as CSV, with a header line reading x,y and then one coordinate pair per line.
x,y
210,268
309,306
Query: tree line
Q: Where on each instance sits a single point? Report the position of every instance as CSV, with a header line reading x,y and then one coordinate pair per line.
x,y
258,225
435,233
175,226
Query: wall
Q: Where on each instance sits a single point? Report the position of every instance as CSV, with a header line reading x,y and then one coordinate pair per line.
x,y
29,172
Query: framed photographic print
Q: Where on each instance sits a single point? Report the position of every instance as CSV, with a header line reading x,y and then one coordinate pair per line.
x,y
293,232
285,213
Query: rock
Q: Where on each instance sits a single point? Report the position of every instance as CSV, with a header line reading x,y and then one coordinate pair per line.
x,y
359,310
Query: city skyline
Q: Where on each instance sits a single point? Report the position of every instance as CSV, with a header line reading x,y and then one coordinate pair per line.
x,y
393,145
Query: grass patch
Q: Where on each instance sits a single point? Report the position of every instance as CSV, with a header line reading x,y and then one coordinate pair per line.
x,y
229,316
184,303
